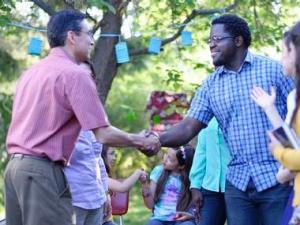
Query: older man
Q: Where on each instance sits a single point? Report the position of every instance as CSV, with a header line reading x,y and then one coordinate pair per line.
x,y
54,100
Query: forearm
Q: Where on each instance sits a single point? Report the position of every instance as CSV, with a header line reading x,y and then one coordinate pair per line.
x,y
115,137
274,116
147,196
124,185
181,133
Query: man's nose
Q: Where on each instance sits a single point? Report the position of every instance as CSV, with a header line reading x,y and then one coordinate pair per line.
x,y
211,44
92,41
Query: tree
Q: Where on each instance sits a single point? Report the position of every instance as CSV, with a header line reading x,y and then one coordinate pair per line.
x,y
262,16
106,66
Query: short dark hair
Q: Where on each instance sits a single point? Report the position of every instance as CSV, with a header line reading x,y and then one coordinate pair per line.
x,y
62,22
236,26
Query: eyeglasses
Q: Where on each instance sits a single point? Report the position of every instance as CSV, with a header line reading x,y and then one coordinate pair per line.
x,y
89,33
217,39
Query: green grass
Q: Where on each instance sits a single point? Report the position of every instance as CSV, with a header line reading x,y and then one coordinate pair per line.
x,y
137,213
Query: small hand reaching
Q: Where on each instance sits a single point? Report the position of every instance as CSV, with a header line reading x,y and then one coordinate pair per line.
x,y
181,216
143,177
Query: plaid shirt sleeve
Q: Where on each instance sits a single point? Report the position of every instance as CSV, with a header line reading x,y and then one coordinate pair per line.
x,y
200,108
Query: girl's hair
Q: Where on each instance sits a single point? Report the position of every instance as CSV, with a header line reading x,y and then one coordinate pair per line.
x,y
184,156
293,37
104,153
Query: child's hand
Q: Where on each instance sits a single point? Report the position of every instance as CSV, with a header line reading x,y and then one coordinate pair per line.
x,y
181,216
107,208
143,177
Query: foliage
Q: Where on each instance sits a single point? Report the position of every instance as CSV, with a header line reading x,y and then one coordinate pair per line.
x,y
9,66
176,68
5,115
6,7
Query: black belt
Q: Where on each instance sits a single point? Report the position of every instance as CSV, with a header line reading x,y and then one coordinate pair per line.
x,y
42,158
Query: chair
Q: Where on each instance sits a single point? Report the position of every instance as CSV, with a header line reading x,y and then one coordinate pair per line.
x,y
119,204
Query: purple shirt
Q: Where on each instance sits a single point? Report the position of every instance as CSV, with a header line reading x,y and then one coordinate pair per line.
x,y
86,173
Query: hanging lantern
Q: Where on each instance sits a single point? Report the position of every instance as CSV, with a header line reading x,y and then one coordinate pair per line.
x,y
154,45
186,38
35,46
122,52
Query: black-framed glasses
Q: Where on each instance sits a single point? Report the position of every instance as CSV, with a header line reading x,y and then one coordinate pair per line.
x,y
217,39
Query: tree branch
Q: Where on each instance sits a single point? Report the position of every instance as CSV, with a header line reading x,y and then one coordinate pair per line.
x,y
44,6
69,4
97,26
188,19
123,6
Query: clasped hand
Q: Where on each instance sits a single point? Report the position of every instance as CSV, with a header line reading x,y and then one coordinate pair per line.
x,y
151,143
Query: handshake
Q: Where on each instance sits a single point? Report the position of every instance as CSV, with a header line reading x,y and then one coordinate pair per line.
x,y
150,143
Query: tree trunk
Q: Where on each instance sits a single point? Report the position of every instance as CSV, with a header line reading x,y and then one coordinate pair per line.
x,y
104,56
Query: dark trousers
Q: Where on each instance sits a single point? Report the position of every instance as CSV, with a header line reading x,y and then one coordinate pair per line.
x,y
251,207
159,222
36,193
213,211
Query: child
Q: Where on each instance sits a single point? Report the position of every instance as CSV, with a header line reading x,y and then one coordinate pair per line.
x,y
208,173
108,155
168,193
87,176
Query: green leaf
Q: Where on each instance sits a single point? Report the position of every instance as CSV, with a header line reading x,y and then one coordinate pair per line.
x,y
156,119
102,4
131,116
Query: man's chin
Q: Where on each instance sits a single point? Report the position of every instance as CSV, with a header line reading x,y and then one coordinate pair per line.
x,y
217,63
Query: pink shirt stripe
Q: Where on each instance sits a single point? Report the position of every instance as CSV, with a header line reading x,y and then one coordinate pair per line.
x,y
54,100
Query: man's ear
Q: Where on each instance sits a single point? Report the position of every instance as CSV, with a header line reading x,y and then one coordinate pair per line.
x,y
239,41
71,37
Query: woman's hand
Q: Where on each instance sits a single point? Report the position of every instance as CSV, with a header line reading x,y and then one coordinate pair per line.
x,y
262,98
274,143
284,175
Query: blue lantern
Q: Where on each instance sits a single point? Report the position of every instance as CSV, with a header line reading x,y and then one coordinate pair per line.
x,y
154,45
186,38
35,46
122,52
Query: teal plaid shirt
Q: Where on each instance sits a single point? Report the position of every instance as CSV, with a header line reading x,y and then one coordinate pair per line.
x,y
226,95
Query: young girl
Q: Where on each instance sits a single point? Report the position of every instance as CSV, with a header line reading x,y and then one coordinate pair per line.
x,y
108,155
289,158
86,176
168,193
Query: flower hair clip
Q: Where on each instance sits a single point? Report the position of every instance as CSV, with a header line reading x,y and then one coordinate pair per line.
x,y
183,152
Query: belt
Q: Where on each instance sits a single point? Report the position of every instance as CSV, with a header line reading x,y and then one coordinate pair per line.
x,y
41,158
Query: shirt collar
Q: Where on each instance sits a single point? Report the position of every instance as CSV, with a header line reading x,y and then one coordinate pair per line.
x,y
60,52
248,60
